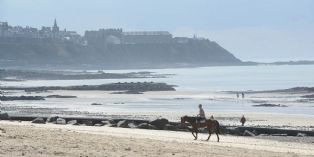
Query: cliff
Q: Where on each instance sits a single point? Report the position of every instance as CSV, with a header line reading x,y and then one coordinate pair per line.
x,y
50,52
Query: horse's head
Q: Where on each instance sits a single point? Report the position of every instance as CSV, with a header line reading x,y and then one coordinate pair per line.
x,y
183,119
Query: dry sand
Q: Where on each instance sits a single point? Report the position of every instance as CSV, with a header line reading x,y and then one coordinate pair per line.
x,y
27,139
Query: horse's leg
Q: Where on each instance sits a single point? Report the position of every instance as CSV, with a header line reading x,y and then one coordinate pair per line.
x,y
209,134
193,133
217,136
196,132
209,131
193,130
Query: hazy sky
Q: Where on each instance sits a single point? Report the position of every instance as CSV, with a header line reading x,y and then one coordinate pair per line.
x,y
258,30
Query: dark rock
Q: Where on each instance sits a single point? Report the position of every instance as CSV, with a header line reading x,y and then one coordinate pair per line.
x,y
159,123
171,127
130,88
146,126
128,92
52,119
39,120
270,105
301,135
132,125
112,121
4,116
308,96
113,125
106,123
61,121
142,126
96,104
73,122
87,122
279,135
248,133
12,98
60,96
99,124
123,124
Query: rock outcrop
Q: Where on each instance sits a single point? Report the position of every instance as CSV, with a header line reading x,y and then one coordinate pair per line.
x,y
39,120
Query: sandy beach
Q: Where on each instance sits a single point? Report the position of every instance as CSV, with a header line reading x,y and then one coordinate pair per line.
x,y
27,139
294,112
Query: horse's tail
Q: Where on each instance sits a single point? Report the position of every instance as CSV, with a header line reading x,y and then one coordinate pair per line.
x,y
217,126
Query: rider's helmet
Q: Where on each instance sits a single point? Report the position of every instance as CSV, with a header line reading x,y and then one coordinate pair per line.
x,y
200,105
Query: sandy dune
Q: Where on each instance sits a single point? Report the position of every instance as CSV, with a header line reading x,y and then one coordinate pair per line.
x,y
27,139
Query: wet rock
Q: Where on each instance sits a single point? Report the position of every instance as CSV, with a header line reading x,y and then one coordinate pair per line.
x,y
95,104
270,105
301,135
248,133
113,125
12,98
132,125
279,134
99,124
61,96
52,119
159,123
146,126
73,122
171,127
39,120
106,123
87,122
123,124
4,116
308,96
61,121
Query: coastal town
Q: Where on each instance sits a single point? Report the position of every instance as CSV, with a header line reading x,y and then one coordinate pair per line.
x,y
105,36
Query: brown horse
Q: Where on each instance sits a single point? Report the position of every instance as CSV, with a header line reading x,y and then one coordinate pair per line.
x,y
211,125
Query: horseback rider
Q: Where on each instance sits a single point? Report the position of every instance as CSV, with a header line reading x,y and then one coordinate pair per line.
x,y
201,115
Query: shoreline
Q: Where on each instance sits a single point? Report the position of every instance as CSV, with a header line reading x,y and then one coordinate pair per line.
x,y
167,104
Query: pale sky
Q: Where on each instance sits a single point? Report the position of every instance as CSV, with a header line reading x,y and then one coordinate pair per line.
x,y
255,30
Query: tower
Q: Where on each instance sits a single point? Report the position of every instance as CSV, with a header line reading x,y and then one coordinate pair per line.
x,y
55,27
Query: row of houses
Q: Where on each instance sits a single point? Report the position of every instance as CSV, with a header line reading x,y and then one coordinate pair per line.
x,y
98,37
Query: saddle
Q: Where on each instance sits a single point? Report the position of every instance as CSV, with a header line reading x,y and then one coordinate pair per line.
x,y
201,121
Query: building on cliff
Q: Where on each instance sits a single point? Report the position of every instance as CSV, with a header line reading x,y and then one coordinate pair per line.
x,y
54,33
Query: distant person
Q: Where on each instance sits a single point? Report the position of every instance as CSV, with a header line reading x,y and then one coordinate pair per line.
x,y
201,114
242,95
238,95
212,117
243,120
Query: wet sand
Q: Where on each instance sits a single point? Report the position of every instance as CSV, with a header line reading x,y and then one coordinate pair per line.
x,y
170,104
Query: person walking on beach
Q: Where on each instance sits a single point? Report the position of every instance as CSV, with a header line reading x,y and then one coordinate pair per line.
x,y
242,95
201,114
243,120
238,95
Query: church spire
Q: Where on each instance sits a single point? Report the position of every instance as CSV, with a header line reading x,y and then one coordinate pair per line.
x,y
55,27
55,23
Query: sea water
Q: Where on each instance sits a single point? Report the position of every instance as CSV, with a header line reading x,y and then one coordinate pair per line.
x,y
224,78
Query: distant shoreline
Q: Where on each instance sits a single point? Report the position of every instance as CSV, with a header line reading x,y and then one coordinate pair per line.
x,y
146,66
